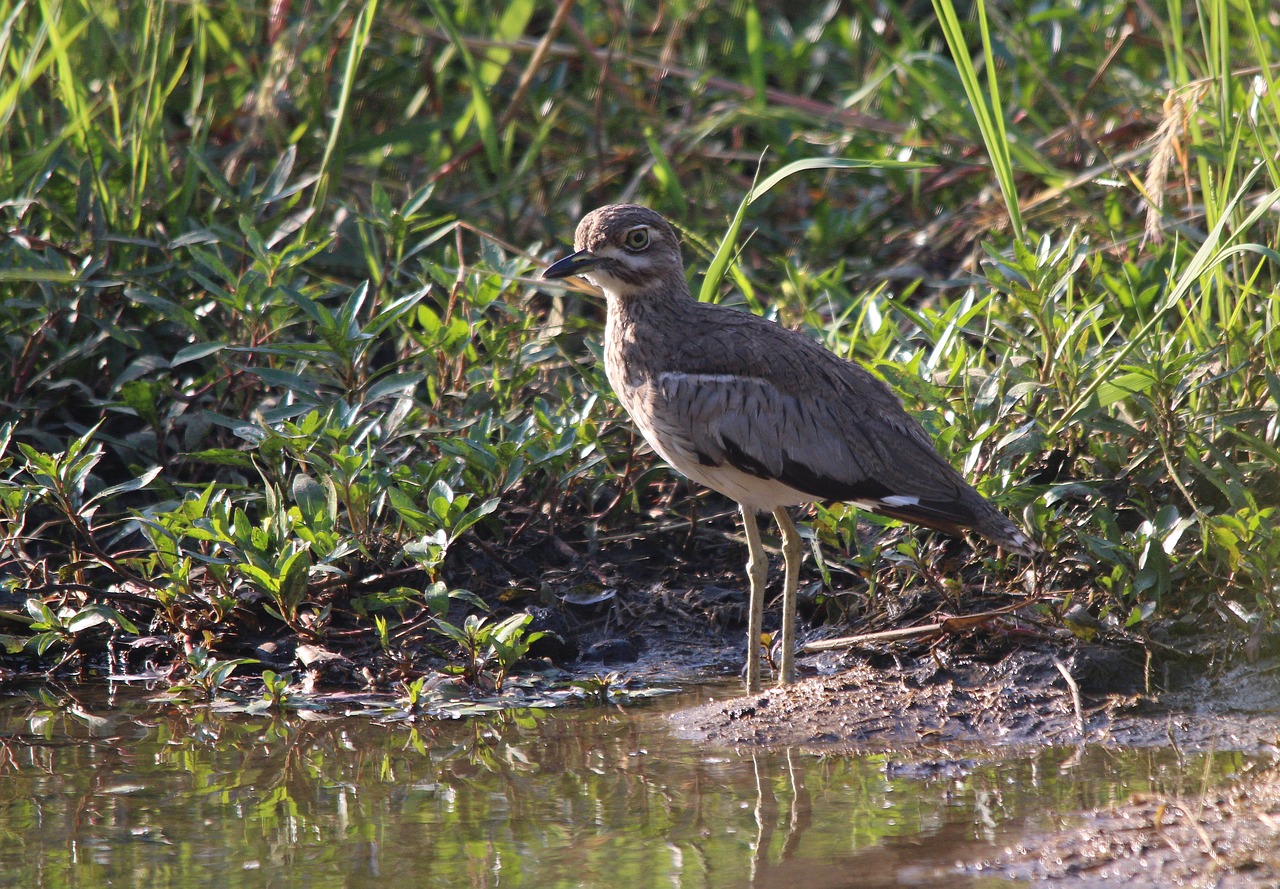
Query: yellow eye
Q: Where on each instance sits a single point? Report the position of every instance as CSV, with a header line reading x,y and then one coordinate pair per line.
x,y
637,238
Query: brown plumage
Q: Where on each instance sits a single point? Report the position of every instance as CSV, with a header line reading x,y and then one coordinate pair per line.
x,y
760,413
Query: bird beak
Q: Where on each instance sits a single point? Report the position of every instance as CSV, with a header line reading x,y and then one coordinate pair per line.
x,y
573,264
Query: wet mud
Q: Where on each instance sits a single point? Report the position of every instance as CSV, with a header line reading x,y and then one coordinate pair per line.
x,y
1038,695
1226,838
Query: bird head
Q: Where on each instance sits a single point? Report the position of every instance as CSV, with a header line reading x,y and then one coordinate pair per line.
x,y
623,249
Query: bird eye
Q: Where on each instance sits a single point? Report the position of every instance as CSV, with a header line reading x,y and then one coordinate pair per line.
x,y
637,238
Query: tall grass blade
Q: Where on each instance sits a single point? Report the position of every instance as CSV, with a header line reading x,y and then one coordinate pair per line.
x,y
986,106
481,110
355,50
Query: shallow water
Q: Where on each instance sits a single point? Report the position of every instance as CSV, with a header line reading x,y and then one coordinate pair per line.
x,y
101,788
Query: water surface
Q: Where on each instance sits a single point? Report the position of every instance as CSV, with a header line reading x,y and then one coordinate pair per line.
x,y
108,788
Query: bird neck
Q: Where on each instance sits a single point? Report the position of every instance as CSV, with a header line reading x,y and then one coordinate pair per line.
x,y
643,322
656,297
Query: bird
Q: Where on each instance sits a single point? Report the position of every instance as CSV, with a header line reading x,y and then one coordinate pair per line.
x,y
760,413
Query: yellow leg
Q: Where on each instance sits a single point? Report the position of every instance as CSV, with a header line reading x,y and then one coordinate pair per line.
x,y
757,575
791,545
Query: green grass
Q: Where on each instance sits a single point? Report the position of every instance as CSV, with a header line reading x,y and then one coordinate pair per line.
x,y
275,348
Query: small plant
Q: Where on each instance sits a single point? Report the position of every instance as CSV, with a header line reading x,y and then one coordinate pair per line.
x,y
599,687
184,545
284,581
62,481
509,644
483,643
1243,550
66,625
447,516
208,674
275,688
415,693
267,554
472,639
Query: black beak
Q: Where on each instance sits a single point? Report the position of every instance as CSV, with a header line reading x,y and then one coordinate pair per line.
x,y
573,264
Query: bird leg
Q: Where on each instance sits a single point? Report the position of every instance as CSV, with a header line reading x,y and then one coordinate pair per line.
x,y
757,575
791,545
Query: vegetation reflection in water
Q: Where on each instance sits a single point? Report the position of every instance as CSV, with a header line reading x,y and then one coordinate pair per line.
x,y
132,792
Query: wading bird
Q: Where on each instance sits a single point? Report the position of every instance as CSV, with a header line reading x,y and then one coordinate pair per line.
x,y
762,414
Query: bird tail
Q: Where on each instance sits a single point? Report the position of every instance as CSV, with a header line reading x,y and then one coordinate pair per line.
x,y
989,523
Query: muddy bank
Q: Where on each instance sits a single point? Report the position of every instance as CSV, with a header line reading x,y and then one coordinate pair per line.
x,y
1224,838
995,691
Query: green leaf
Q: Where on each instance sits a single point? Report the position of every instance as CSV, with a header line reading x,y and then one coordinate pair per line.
x,y
1139,613
444,628
724,255
42,614
1123,386
283,379
829,163
665,173
394,384
93,615
125,487
318,501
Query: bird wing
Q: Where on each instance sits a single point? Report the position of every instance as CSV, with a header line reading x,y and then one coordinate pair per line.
x,y
815,422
